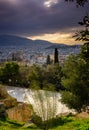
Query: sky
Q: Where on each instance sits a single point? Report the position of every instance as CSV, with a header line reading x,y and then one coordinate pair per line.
x,y
52,20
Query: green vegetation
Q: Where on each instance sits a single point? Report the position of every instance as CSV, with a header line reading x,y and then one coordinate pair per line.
x,y
48,78
48,62
84,53
63,123
7,124
72,79
9,73
45,108
76,81
31,76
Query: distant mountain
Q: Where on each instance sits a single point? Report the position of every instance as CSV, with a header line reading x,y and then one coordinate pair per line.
x,y
63,46
11,40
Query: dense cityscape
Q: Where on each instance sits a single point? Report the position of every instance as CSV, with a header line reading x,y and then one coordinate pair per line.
x,y
35,54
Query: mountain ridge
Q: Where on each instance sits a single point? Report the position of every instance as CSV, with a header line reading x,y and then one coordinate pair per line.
x,y
13,40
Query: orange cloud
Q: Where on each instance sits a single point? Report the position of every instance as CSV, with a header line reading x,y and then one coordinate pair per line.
x,y
65,38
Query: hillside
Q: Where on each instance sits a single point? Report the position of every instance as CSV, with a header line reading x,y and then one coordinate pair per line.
x,y
11,40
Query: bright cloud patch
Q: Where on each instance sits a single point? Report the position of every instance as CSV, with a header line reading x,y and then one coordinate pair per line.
x,y
49,3
57,38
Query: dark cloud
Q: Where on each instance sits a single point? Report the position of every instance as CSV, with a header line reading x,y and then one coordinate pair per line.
x,y
31,17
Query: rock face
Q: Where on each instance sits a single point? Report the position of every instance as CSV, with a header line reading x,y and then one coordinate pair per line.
x,y
9,102
9,106
6,98
3,92
21,112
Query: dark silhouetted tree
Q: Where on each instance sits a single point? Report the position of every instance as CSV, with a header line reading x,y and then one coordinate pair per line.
x,y
78,2
48,60
83,35
56,56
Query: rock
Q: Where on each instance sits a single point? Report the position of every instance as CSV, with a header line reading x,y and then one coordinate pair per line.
x,y
26,125
9,102
3,92
9,106
21,112
83,115
6,98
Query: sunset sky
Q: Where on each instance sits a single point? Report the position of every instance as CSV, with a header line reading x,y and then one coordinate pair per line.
x,y
52,20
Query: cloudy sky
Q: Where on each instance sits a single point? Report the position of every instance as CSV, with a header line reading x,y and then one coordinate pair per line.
x,y
52,20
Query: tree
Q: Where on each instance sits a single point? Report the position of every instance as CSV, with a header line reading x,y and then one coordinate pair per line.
x,y
53,75
76,83
36,76
83,35
23,80
76,70
56,56
46,78
84,52
9,73
48,60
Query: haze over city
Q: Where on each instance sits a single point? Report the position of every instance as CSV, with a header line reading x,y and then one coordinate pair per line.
x,y
52,20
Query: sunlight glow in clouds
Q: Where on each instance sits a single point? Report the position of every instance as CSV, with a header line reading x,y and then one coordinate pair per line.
x,y
57,38
48,3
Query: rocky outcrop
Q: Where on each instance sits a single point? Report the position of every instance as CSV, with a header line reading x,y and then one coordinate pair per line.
x,y
9,106
6,98
3,92
9,102
21,112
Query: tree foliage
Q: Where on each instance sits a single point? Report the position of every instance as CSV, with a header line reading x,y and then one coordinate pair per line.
x,y
83,35
56,56
48,60
23,80
36,76
76,83
9,73
53,76
78,2
45,77
85,52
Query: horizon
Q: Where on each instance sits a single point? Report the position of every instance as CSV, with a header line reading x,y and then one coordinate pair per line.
x,y
29,38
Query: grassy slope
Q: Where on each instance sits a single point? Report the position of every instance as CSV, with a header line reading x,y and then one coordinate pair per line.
x,y
13,125
65,123
72,123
